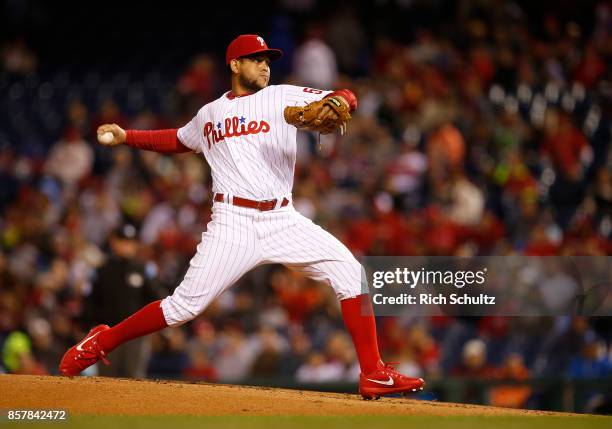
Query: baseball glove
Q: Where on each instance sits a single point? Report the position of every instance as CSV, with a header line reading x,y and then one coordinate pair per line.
x,y
324,116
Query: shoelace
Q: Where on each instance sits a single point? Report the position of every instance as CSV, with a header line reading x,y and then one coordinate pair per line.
x,y
390,366
90,350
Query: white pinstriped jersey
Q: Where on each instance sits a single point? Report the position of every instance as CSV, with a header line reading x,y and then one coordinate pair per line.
x,y
247,143
251,151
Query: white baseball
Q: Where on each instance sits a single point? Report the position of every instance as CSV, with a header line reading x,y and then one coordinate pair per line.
x,y
106,138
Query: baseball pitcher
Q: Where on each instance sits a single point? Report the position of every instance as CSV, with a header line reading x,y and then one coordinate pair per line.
x,y
248,137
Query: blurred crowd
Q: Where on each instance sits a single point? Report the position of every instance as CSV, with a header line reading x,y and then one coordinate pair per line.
x,y
491,137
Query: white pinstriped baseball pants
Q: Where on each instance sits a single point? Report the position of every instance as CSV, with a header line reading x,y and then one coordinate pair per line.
x,y
239,239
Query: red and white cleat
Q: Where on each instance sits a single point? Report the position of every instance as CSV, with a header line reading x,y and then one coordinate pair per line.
x,y
84,354
386,380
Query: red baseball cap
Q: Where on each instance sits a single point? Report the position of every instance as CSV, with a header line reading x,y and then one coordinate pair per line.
x,y
249,44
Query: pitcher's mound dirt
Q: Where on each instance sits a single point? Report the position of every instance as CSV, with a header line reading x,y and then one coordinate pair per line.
x,y
99,395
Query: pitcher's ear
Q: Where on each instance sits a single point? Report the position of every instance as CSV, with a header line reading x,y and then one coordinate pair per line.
x,y
234,66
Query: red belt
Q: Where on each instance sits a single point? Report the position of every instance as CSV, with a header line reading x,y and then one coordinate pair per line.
x,y
262,206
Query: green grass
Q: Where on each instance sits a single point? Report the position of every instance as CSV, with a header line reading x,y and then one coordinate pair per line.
x,y
320,422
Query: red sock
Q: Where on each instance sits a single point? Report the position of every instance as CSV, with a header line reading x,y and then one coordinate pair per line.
x,y
359,320
148,319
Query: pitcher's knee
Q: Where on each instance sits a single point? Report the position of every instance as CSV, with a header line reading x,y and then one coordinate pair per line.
x,y
177,312
347,278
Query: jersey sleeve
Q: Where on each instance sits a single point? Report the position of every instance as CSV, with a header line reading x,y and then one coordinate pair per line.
x,y
300,95
189,135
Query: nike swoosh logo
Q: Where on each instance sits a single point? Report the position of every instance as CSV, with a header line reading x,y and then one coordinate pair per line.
x,y
79,348
386,383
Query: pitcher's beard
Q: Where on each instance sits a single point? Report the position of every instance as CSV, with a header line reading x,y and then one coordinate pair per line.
x,y
251,86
